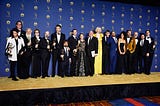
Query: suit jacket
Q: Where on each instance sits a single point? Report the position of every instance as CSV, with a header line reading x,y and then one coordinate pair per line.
x,y
66,56
72,42
34,42
105,45
113,45
150,46
54,39
143,49
92,46
43,44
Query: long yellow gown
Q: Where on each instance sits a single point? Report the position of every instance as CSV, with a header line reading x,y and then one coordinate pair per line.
x,y
98,58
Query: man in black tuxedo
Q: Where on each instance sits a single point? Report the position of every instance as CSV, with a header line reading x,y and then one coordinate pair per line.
x,y
57,39
143,47
129,55
150,52
65,60
72,42
91,52
45,53
19,26
105,53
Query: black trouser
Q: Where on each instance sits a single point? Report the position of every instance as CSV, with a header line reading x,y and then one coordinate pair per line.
x,y
65,68
36,64
130,66
135,62
45,62
12,68
73,71
141,64
24,62
148,63
55,59
90,61
105,63
20,65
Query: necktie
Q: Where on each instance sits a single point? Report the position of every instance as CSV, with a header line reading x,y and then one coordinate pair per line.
x,y
66,51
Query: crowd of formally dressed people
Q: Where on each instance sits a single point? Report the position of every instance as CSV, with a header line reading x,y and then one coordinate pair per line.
x,y
80,55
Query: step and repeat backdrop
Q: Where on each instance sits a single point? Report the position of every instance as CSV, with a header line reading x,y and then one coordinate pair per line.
x,y
84,15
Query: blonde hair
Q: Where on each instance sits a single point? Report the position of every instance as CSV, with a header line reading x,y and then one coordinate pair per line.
x,y
98,28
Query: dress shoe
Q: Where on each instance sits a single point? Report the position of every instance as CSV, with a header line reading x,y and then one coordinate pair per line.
x,y
10,77
14,79
62,76
147,73
43,76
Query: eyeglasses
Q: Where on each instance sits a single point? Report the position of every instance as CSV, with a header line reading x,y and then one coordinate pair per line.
x,y
36,32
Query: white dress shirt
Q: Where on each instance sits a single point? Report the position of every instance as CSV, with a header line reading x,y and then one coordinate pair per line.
x,y
58,37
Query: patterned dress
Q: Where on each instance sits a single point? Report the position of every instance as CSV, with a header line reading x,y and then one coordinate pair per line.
x,y
81,61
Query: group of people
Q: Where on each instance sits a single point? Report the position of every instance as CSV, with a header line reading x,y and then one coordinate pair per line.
x,y
98,53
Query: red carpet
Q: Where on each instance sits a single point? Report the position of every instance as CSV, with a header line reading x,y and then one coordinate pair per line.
x,y
142,101
134,102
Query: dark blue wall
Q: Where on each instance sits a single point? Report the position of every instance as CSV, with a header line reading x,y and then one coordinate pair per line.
x,y
83,15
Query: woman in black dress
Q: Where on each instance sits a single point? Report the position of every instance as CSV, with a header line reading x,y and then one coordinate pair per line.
x,y
121,54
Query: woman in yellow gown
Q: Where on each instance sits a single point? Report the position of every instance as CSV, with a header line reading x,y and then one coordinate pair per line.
x,y
98,58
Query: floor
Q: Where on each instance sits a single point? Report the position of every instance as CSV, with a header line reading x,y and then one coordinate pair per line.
x,y
6,84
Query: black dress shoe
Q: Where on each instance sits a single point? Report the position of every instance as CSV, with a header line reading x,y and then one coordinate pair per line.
x,y
62,76
34,77
43,76
14,79
147,73
10,77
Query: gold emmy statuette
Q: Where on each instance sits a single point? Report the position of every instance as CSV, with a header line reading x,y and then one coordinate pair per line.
x,y
9,49
54,43
62,54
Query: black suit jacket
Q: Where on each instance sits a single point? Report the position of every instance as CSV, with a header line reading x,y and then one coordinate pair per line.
x,y
150,46
43,44
72,44
143,49
105,46
34,42
93,46
66,57
59,45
